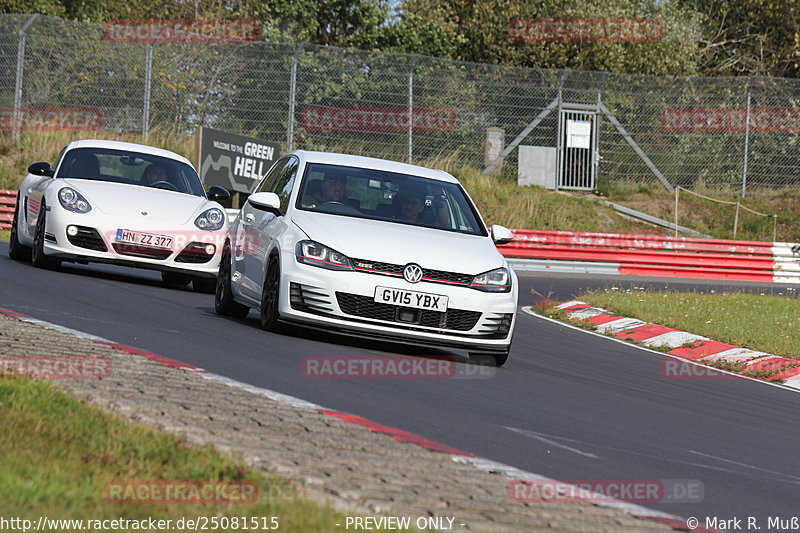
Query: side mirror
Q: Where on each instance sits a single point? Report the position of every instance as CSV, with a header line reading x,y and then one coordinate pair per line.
x,y
501,234
215,192
266,201
40,168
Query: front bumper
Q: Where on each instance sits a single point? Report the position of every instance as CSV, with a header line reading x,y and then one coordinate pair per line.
x,y
96,242
345,301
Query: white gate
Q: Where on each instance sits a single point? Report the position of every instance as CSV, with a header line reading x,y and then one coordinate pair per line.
x,y
577,148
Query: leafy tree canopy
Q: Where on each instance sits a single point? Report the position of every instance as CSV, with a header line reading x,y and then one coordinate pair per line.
x,y
700,37
749,37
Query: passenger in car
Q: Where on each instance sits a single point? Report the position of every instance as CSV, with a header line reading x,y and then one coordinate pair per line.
x,y
410,207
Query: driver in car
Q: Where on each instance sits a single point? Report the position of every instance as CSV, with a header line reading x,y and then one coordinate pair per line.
x,y
333,189
154,173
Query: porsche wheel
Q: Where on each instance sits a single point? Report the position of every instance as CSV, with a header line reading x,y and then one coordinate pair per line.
x,y
38,257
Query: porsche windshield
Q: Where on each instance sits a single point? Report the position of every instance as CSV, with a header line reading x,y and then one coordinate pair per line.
x,y
388,196
132,168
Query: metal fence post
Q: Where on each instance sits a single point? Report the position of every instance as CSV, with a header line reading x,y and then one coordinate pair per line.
x,y
746,138
411,113
148,80
292,99
20,71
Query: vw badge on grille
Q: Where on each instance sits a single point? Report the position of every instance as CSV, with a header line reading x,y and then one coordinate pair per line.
x,y
412,273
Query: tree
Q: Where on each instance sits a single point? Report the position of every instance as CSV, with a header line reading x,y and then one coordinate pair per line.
x,y
749,37
479,32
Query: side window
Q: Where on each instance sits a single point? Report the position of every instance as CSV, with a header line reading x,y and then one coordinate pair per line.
x,y
285,182
268,182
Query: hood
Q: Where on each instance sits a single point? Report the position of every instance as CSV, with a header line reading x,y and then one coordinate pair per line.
x,y
390,242
167,207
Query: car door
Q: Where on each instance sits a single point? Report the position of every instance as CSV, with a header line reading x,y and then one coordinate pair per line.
x,y
258,228
32,191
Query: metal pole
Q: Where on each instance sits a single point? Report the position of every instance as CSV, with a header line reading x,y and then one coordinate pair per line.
x,y
20,71
148,80
736,220
411,113
292,93
677,191
774,228
746,138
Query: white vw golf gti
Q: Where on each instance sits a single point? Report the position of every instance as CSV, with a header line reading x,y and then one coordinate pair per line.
x,y
121,203
370,247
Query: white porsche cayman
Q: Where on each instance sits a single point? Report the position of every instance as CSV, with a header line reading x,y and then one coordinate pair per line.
x,y
373,248
121,203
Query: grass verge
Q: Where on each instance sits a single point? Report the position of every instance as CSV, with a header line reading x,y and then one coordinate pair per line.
x,y
59,454
760,322
717,219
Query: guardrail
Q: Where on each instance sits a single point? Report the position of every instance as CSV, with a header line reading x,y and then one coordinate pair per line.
x,y
611,253
7,200
649,255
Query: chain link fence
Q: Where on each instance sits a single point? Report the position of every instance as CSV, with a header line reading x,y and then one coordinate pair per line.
x,y
730,132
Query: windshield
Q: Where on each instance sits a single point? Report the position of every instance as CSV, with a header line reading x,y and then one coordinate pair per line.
x,y
389,196
132,168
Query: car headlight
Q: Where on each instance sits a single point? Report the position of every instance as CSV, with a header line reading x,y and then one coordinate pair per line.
x,y
210,219
315,254
494,281
72,200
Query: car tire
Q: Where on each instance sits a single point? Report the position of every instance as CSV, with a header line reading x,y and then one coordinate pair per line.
x,y
270,294
16,250
224,304
38,257
176,279
204,285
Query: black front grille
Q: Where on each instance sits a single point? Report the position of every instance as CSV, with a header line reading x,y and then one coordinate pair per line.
x,y
429,275
87,238
195,252
140,251
364,306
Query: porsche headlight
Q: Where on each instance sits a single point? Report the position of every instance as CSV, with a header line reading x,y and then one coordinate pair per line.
x,y
494,281
210,219
315,254
72,200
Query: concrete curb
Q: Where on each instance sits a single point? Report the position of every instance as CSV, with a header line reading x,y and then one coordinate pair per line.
x,y
685,345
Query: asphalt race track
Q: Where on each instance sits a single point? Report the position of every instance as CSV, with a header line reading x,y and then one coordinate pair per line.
x,y
568,404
